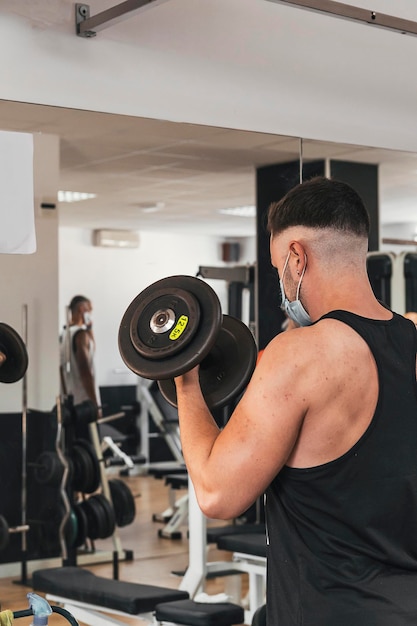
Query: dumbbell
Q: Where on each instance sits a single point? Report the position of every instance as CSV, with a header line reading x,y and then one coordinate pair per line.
x,y
176,324
13,355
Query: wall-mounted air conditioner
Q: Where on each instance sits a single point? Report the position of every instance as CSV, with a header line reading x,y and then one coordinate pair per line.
x,y
116,238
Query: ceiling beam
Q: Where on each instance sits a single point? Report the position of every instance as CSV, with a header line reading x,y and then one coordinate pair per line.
x,y
88,26
349,12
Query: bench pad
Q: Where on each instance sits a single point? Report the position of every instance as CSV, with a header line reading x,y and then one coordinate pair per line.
x,y
253,544
215,532
79,584
192,613
177,481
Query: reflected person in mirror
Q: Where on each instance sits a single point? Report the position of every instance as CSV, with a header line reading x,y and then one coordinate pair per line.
x,y
78,375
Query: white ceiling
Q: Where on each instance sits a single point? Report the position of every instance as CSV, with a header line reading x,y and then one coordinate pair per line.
x,y
155,175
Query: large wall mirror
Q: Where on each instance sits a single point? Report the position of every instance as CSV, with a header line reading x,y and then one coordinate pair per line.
x,y
186,189
156,175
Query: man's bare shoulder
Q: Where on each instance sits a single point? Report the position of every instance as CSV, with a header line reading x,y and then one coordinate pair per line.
x,y
339,381
304,358
306,341
82,337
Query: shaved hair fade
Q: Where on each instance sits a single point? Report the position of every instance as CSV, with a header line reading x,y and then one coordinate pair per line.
x,y
320,203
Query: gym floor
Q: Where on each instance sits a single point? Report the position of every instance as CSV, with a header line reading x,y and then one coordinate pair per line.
x,y
154,558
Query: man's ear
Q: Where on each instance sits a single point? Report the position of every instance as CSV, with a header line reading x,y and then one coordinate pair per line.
x,y
298,258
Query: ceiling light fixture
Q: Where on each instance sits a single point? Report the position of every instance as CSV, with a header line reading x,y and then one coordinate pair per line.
x,y
151,208
74,196
240,211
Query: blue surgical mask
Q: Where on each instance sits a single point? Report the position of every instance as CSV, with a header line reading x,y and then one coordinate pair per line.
x,y
295,310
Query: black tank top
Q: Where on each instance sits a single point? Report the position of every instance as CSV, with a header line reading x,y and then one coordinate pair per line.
x,y
342,537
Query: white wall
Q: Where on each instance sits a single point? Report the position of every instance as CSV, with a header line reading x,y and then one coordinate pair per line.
x,y
112,278
245,64
32,280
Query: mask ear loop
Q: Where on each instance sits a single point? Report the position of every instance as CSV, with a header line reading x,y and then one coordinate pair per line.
x,y
301,277
285,265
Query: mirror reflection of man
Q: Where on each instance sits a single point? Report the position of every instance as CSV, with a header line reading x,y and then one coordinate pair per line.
x,y
78,377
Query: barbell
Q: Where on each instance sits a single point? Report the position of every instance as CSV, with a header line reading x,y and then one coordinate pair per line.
x,y
13,355
83,464
176,324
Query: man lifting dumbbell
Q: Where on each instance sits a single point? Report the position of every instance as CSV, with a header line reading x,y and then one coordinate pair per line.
x,y
327,427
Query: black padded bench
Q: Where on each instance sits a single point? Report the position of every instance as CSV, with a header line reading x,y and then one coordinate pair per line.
x,y
200,614
82,585
215,532
163,470
253,544
87,596
177,480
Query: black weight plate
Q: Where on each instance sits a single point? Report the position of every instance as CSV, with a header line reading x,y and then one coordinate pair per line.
x,y
82,526
78,468
82,469
192,352
108,528
13,347
91,478
85,475
123,502
70,474
100,517
85,413
101,532
49,470
226,370
163,322
94,516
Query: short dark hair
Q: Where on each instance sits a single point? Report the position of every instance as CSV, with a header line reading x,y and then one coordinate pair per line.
x,y
320,203
76,300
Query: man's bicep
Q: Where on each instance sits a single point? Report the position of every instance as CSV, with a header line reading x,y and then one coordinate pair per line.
x,y
258,438
270,420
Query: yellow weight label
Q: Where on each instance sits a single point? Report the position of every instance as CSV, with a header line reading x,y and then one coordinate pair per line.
x,y
180,326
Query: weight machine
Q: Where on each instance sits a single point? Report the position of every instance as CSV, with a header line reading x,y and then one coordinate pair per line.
x,y
240,281
393,278
154,409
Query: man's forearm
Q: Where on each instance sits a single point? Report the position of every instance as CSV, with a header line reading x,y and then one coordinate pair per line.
x,y
198,429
